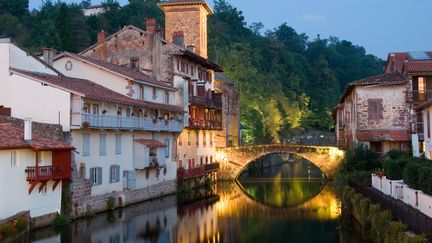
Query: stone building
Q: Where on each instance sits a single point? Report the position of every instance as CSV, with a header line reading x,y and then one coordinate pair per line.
x,y
417,66
179,59
375,112
230,134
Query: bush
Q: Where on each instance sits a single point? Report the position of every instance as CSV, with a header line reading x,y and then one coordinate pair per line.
x,y
21,224
396,232
393,168
61,223
410,174
111,203
6,230
394,154
425,179
361,158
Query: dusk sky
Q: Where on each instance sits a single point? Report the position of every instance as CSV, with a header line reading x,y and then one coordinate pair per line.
x,y
381,26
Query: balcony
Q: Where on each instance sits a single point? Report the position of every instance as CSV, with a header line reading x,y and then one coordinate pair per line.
x,y
202,124
185,174
215,102
46,173
214,167
419,96
130,123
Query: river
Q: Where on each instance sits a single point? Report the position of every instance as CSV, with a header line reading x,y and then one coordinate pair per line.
x,y
277,199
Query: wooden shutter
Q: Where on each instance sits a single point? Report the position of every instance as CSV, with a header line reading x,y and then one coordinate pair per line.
x,y
99,175
91,176
86,144
131,179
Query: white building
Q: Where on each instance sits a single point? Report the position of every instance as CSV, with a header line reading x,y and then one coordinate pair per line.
x,y
36,166
426,111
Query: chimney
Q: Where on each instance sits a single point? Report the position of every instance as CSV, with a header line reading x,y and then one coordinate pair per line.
x,y
48,55
27,129
178,38
101,37
191,48
151,25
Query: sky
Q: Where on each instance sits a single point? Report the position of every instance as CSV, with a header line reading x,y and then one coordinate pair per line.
x,y
381,26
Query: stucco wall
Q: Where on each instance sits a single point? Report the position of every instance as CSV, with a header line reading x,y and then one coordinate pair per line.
x,y
16,198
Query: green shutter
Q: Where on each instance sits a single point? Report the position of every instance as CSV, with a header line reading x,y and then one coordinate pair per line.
x,y
118,173
99,175
91,176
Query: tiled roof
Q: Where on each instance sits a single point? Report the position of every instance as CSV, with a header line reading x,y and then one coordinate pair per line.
x,y
130,73
381,79
150,143
418,66
12,137
220,76
94,91
398,60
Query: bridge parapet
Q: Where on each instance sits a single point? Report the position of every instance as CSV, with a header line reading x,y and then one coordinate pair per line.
x,y
234,159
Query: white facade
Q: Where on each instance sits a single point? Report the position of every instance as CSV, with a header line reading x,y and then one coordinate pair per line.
x,y
427,128
16,198
30,99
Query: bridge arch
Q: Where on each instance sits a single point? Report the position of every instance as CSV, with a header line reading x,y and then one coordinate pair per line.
x,y
233,160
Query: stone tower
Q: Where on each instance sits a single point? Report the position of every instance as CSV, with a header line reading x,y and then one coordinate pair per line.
x,y
186,23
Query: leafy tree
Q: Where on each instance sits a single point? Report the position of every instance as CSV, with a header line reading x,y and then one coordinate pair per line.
x,y
17,8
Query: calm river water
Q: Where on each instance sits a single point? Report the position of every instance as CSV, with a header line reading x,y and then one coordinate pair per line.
x,y
277,199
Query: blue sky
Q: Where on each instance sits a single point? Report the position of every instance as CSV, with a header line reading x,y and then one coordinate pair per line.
x,y
381,26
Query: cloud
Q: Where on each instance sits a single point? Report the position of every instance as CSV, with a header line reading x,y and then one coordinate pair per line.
x,y
313,18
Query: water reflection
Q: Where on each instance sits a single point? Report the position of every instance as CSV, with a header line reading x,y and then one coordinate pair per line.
x,y
278,210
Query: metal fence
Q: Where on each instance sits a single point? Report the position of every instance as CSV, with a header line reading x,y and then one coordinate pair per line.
x,y
414,219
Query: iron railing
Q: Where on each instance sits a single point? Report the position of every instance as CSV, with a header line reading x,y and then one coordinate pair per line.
x,y
416,95
196,123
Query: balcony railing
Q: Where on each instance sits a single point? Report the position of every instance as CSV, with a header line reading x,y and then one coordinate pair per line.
x,y
131,123
215,102
214,167
184,174
195,123
46,173
417,95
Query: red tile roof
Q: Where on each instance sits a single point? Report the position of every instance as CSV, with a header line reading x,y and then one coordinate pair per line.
x,y
396,61
150,143
383,135
381,79
12,137
418,66
130,73
93,91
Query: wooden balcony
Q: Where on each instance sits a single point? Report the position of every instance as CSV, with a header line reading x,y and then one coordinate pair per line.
x,y
47,173
201,124
185,174
214,103
130,123
416,96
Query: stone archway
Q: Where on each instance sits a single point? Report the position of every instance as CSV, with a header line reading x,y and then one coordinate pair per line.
x,y
233,159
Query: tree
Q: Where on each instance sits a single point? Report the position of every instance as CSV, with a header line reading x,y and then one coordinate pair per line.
x,y
17,8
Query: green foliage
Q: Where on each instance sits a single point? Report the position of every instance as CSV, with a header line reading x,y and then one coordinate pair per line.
x,y
21,224
425,179
6,230
396,232
410,174
418,239
361,158
111,203
393,168
61,223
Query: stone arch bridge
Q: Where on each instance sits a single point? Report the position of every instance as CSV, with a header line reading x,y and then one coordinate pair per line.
x,y
234,159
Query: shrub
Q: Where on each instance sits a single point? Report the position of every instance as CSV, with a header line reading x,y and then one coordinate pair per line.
x,y
425,179
361,158
111,203
6,230
418,239
410,174
61,222
394,154
393,168
396,232
21,224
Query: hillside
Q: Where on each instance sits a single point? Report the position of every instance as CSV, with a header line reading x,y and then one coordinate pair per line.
x,y
287,80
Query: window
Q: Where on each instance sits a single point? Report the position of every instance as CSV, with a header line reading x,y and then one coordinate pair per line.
x,y
375,109
192,70
201,160
178,65
154,93
167,148
96,176
141,92
95,109
211,140
204,139
189,138
128,112
134,63
197,138
14,160
376,146
211,159
428,121
119,111
166,98
102,144
199,74
206,161
114,173
86,108
118,144
86,144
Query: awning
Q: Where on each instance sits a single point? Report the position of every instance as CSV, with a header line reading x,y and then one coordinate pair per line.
x,y
150,143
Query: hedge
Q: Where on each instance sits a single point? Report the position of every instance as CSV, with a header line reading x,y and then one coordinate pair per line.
x,y
411,173
425,179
